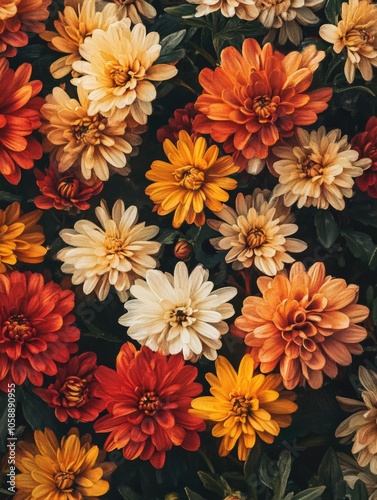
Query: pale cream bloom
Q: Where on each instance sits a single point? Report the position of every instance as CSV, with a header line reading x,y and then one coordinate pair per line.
x,y
119,76
77,22
318,169
352,472
285,17
179,313
136,10
91,143
361,427
115,254
255,233
244,9
357,33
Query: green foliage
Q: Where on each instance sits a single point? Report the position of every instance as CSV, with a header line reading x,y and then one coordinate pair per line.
x,y
327,228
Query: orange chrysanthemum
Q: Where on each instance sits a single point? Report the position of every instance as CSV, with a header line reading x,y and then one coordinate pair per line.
x,y
20,238
18,17
71,469
305,323
257,97
244,405
194,178
19,116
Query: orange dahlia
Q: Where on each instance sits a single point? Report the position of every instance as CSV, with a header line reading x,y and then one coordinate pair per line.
x,y
305,323
244,405
256,97
71,469
19,116
20,237
18,17
195,177
148,399
36,328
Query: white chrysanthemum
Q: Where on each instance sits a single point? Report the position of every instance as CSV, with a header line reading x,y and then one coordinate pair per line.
x,y
119,69
115,255
179,313
256,233
318,169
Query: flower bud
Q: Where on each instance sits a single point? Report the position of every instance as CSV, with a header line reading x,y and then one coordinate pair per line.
x,y
183,250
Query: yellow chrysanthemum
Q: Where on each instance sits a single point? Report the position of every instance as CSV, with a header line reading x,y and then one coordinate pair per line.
x,y
244,405
20,237
194,178
67,470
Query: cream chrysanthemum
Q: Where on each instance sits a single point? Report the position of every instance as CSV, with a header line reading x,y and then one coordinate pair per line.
x,y
256,233
244,9
285,17
136,10
357,33
318,169
352,472
115,255
77,21
179,313
92,143
119,76
361,426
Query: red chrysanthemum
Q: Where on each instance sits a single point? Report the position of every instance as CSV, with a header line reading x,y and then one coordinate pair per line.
x,y
148,398
182,120
64,190
19,116
17,18
365,143
72,392
36,328
257,97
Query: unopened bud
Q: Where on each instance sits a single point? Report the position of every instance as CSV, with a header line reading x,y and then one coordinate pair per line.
x,y
183,250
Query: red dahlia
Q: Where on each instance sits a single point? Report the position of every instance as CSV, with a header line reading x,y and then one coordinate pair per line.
x,y
365,143
72,392
182,120
36,328
148,398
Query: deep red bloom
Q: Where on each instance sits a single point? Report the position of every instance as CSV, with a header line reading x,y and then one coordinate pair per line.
x,y
36,328
182,120
19,116
365,143
72,392
148,398
64,190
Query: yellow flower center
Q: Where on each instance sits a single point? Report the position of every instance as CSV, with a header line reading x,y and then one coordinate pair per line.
x,y
149,403
89,129
256,237
8,9
124,76
74,391
311,168
189,177
265,108
68,186
64,481
243,406
113,245
181,315
18,328
279,6
355,39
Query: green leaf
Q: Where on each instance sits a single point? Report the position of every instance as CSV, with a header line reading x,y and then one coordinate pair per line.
x,y
267,471
5,406
191,495
252,461
310,493
181,10
282,475
215,483
359,491
374,311
330,474
372,263
36,412
366,213
9,197
167,236
360,245
128,493
327,228
332,10
171,41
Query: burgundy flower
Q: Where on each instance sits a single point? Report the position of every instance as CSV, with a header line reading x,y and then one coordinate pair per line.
x,y
365,143
64,190
72,392
182,120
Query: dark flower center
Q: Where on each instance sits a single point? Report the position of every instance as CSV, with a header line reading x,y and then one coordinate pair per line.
x,y
64,480
311,168
89,129
68,186
18,328
243,406
265,108
74,391
149,403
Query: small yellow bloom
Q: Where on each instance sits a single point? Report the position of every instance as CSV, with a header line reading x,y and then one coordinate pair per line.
x,y
195,177
20,238
244,405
